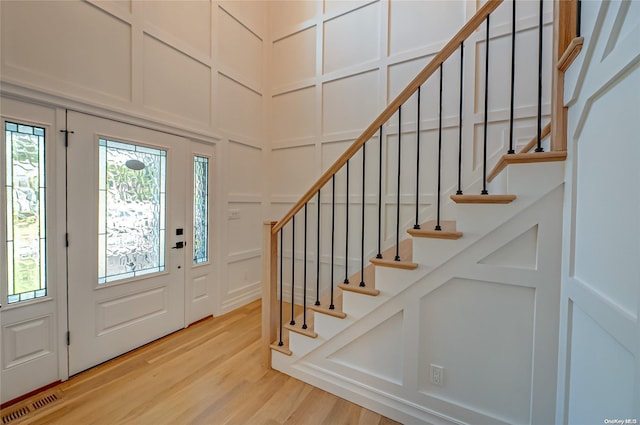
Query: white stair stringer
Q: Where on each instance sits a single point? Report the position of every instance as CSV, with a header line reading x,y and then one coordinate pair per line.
x,y
408,396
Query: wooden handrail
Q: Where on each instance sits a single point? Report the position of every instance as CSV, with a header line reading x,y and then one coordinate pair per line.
x,y
392,107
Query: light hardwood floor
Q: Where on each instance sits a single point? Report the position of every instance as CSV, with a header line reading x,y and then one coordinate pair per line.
x,y
209,373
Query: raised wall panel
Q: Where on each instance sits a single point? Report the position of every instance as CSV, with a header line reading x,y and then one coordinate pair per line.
x,y
26,341
520,253
293,115
125,5
350,104
376,352
240,109
129,309
466,327
526,89
182,89
67,46
240,51
341,6
189,21
412,24
293,58
244,232
352,38
246,170
610,271
250,12
601,369
244,274
286,15
291,168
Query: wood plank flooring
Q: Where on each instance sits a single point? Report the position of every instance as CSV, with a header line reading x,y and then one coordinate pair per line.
x,y
209,373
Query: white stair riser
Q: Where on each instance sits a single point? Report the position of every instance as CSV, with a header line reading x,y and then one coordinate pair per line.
x,y
357,305
433,252
391,280
300,344
535,179
328,326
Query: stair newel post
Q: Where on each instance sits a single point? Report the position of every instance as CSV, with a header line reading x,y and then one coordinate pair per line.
x,y
333,228
269,289
417,224
280,342
459,191
293,269
539,126
513,75
379,254
346,232
397,257
304,272
438,227
318,255
364,163
486,110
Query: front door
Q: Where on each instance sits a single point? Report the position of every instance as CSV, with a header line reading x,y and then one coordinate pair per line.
x,y
127,230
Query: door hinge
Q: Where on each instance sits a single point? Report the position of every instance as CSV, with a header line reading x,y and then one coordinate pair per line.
x,y
66,240
66,136
68,338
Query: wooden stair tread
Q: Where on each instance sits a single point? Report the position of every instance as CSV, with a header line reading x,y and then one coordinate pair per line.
x,y
427,230
284,349
483,199
405,251
297,328
325,302
369,280
525,158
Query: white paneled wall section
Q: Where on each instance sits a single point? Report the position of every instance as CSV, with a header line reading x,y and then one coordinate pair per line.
x,y
194,68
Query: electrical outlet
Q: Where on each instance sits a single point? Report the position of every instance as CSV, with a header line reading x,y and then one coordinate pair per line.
x,y
436,375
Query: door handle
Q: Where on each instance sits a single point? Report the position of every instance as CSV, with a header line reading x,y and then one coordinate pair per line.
x,y
179,245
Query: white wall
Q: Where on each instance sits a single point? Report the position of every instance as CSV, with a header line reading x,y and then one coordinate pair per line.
x,y
194,68
599,367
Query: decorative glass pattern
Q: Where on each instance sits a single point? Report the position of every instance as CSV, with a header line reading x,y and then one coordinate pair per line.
x,y
131,219
200,210
25,209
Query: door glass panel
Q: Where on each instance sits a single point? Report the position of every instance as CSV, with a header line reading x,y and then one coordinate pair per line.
x,y
25,212
200,209
131,199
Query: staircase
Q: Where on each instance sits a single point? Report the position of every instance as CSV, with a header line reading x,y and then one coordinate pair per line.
x,y
455,321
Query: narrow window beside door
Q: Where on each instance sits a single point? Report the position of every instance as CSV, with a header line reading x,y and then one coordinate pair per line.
x,y
200,209
25,212
131,222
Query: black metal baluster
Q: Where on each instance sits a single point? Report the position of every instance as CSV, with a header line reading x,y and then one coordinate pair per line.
x,y
379,254
397,258
539,129
438,227
318,255
346,233
293,269
362,284
280,342
513,75
578,17
459,191
417,225
333,223
486,112
304,273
